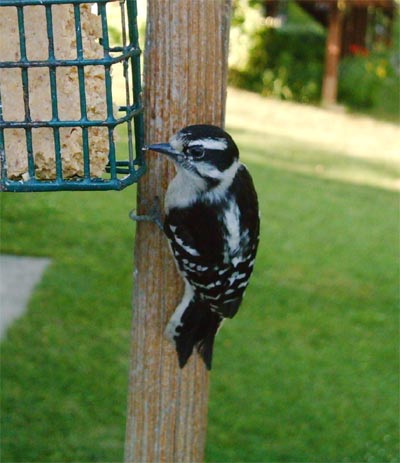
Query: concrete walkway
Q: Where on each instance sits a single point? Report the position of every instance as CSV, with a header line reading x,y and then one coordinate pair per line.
x,y
18,278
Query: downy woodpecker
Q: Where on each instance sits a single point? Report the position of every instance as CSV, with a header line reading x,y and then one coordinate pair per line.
x,y
212,224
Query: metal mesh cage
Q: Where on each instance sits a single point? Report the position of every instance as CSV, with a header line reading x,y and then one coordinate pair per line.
x,y
70,95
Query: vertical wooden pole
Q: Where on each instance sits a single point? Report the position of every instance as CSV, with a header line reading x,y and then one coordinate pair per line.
x,y
185,83
332,54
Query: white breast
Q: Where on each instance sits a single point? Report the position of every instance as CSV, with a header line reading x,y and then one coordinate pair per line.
x,y
183,190
187,187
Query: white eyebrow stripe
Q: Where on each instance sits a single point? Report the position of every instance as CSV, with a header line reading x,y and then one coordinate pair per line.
x,y
210,143
176,142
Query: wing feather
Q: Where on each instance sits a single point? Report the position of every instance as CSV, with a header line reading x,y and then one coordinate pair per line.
x,y
217,272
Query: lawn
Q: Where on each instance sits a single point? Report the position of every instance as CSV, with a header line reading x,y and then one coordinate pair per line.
x,y
307,371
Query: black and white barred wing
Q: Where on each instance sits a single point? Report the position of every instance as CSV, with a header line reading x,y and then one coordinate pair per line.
x,y
220,285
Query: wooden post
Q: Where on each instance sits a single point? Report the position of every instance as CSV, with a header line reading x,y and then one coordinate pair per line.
x,y
332,54
185,83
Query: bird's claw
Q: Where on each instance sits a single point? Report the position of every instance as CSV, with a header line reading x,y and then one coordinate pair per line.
x,y
153,216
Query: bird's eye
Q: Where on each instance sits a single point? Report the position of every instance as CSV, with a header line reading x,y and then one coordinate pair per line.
x,y
196,151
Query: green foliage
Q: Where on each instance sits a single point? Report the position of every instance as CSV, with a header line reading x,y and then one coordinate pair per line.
x,y
288,62
371,81
284,62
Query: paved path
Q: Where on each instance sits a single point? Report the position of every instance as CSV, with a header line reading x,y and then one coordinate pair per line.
x,y
18,277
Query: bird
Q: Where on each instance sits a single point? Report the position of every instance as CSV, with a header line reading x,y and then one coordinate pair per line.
x,y
212,224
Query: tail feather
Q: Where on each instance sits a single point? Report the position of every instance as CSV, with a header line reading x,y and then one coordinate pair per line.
x,y
206,345
197,327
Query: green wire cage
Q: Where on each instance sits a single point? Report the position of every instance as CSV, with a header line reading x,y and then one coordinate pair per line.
x,y
70,95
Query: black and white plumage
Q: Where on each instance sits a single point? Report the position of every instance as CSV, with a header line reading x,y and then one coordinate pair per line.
x,y
212,224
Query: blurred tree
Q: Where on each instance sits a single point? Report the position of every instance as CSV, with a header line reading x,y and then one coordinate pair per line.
x,y
352,27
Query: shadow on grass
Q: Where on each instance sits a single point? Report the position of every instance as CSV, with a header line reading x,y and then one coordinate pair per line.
x,y
267,149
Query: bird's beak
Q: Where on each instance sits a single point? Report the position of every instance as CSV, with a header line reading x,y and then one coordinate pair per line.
x,y
166,148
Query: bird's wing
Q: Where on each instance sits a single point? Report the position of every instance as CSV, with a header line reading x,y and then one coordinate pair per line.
x,y
196,234
222,285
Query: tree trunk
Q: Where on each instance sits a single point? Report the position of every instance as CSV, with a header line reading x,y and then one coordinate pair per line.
x,y
332,55
185,83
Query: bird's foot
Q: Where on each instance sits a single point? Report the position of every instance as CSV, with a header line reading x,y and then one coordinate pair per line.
x,y
153,216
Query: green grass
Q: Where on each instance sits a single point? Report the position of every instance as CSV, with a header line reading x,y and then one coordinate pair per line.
x,y
64,372
307,371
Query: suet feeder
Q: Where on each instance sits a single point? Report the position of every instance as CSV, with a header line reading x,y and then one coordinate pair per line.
x,y
70,94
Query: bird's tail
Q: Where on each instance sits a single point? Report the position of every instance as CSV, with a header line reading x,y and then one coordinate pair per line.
x,y
194,326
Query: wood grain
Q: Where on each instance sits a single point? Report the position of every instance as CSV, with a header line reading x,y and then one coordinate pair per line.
x,y
185,83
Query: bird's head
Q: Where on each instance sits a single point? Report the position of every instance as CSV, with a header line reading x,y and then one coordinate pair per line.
x,y
202,151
